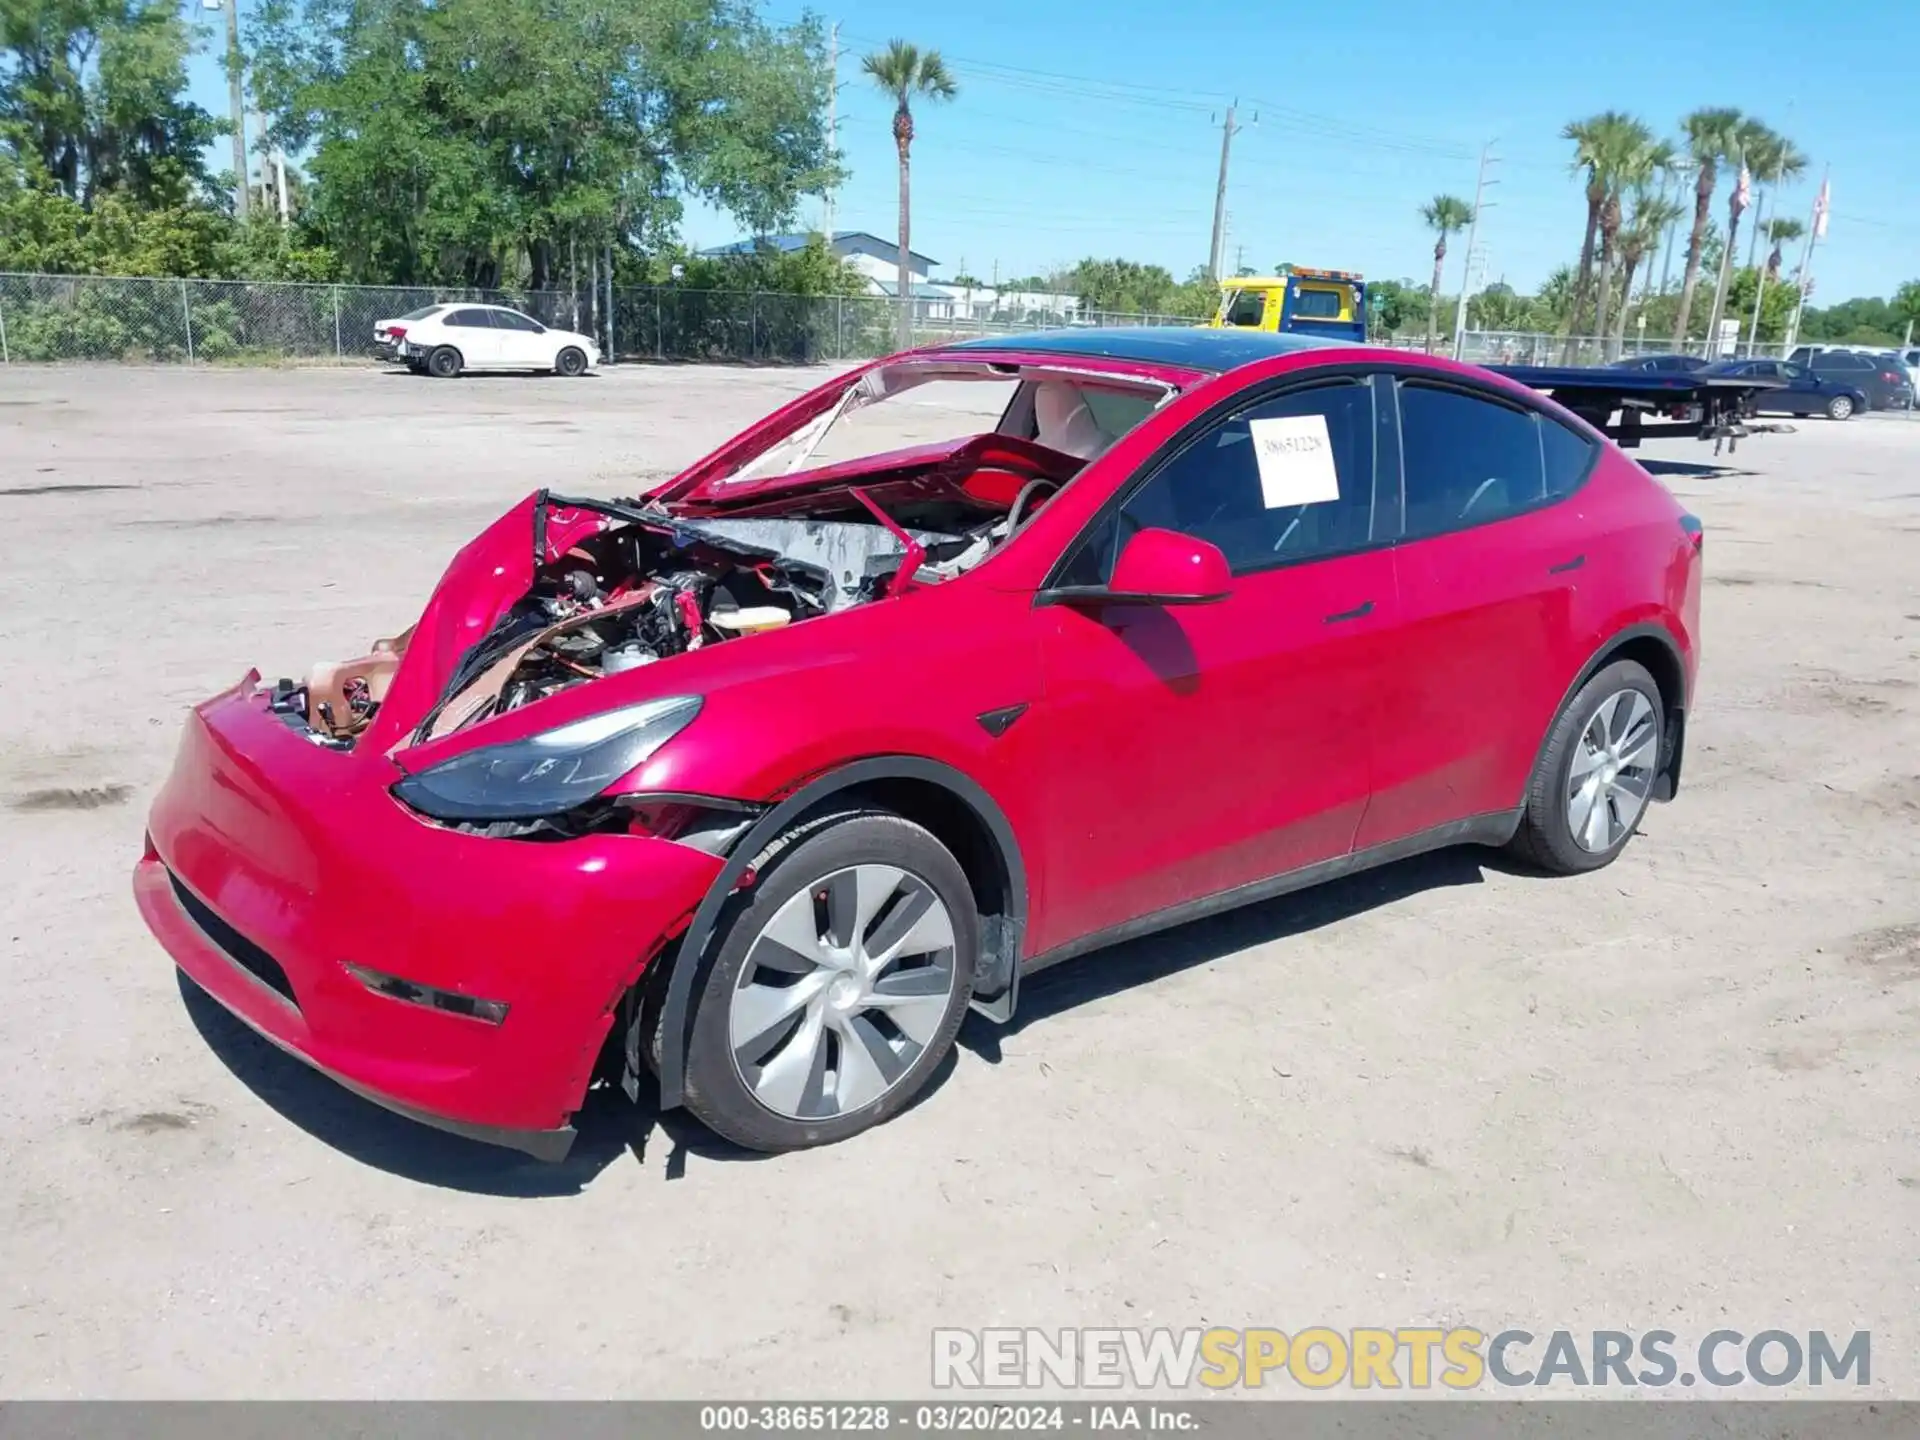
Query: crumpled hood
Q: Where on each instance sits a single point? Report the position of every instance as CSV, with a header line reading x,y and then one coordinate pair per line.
x,y
489,574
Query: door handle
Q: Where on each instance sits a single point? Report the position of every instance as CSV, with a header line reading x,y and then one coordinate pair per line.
x,y
1565,565
1359,612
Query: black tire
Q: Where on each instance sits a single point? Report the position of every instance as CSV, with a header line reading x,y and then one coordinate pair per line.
x,y
1840,407
714,1090
444,363
1545,838
571,362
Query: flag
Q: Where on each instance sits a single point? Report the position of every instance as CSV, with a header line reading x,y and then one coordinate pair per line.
x,y
1820,213
1743,191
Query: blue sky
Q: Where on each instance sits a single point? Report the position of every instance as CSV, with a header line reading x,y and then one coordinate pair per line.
x,y
1084,130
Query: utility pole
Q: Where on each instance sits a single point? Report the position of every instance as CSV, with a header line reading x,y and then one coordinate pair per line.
x,y
1215,257
833,115
237,101
1473,235
1239,257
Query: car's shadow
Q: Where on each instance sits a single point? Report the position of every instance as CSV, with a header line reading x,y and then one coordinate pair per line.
x,y
1692,469
1156,957
610,1127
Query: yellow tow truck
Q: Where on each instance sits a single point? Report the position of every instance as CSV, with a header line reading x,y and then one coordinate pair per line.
x,y
1331,303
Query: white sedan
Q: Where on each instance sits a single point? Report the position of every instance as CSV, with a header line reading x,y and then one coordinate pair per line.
x,y
491,337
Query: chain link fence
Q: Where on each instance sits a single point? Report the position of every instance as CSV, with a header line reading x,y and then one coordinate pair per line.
x,y
57,318
83,317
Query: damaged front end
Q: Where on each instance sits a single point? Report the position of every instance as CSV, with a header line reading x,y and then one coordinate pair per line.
x,y
604,587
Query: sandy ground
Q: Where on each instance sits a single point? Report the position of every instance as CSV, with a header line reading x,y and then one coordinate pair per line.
x,y
1677,1094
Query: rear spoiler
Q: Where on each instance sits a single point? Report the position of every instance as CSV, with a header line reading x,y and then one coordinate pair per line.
x,y
1651,406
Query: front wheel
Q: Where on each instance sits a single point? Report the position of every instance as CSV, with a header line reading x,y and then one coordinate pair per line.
x,y
571,362
1596,774
1840,408
837,987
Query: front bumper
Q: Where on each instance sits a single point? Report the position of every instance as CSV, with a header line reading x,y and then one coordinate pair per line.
x,y
271,863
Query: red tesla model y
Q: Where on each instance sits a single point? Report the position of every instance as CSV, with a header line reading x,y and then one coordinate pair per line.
x,y
972,660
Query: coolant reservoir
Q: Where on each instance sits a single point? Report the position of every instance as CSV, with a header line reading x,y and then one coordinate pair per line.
x,y
627,657
750,620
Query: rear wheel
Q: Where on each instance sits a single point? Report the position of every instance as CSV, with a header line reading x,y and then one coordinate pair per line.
x,y
1595,776
571,361
837,987
444,363
1840,407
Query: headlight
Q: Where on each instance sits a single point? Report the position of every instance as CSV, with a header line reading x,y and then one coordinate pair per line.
x,y
551,772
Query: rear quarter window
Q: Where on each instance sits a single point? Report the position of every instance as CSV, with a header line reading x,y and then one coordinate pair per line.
x,y
1567,458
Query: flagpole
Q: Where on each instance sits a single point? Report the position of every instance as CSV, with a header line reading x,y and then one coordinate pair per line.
x,y
1759,291
1814,227
1736,208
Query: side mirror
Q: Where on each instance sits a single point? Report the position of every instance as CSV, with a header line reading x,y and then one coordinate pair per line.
x,y
1157,567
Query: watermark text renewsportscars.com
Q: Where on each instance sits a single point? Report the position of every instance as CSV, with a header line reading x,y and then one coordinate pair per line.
x,y
1399,1358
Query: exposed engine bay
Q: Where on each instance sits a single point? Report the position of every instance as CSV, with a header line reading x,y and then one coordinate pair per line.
x,y
645,583
760,536
657,586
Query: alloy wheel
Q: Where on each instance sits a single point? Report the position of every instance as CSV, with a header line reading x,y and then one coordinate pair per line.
x,y
841,992
1612,771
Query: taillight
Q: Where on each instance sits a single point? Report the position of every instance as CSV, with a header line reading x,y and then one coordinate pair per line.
x,y
1695,532
397,332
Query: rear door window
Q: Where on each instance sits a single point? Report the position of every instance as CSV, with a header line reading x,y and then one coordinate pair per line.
x,y
470,320
1469,459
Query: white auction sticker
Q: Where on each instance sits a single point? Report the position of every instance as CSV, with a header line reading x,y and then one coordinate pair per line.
x,y
1295,456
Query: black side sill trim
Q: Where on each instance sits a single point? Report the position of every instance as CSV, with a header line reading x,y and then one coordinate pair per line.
x,y
235,946
1494,829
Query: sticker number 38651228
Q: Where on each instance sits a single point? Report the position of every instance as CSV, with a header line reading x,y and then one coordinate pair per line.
x,y
1295,456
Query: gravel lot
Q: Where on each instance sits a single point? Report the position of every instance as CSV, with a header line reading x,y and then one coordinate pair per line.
x,y
1679,1093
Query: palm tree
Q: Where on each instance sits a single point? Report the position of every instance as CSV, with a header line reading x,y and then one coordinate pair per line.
x,y
1775,161
1625,157
907,73
1586,136
1445,215
1780,232
1753,144
1654,210
1711,136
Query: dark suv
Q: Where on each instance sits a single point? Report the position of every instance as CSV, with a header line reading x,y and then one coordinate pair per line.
x,y
1881,379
